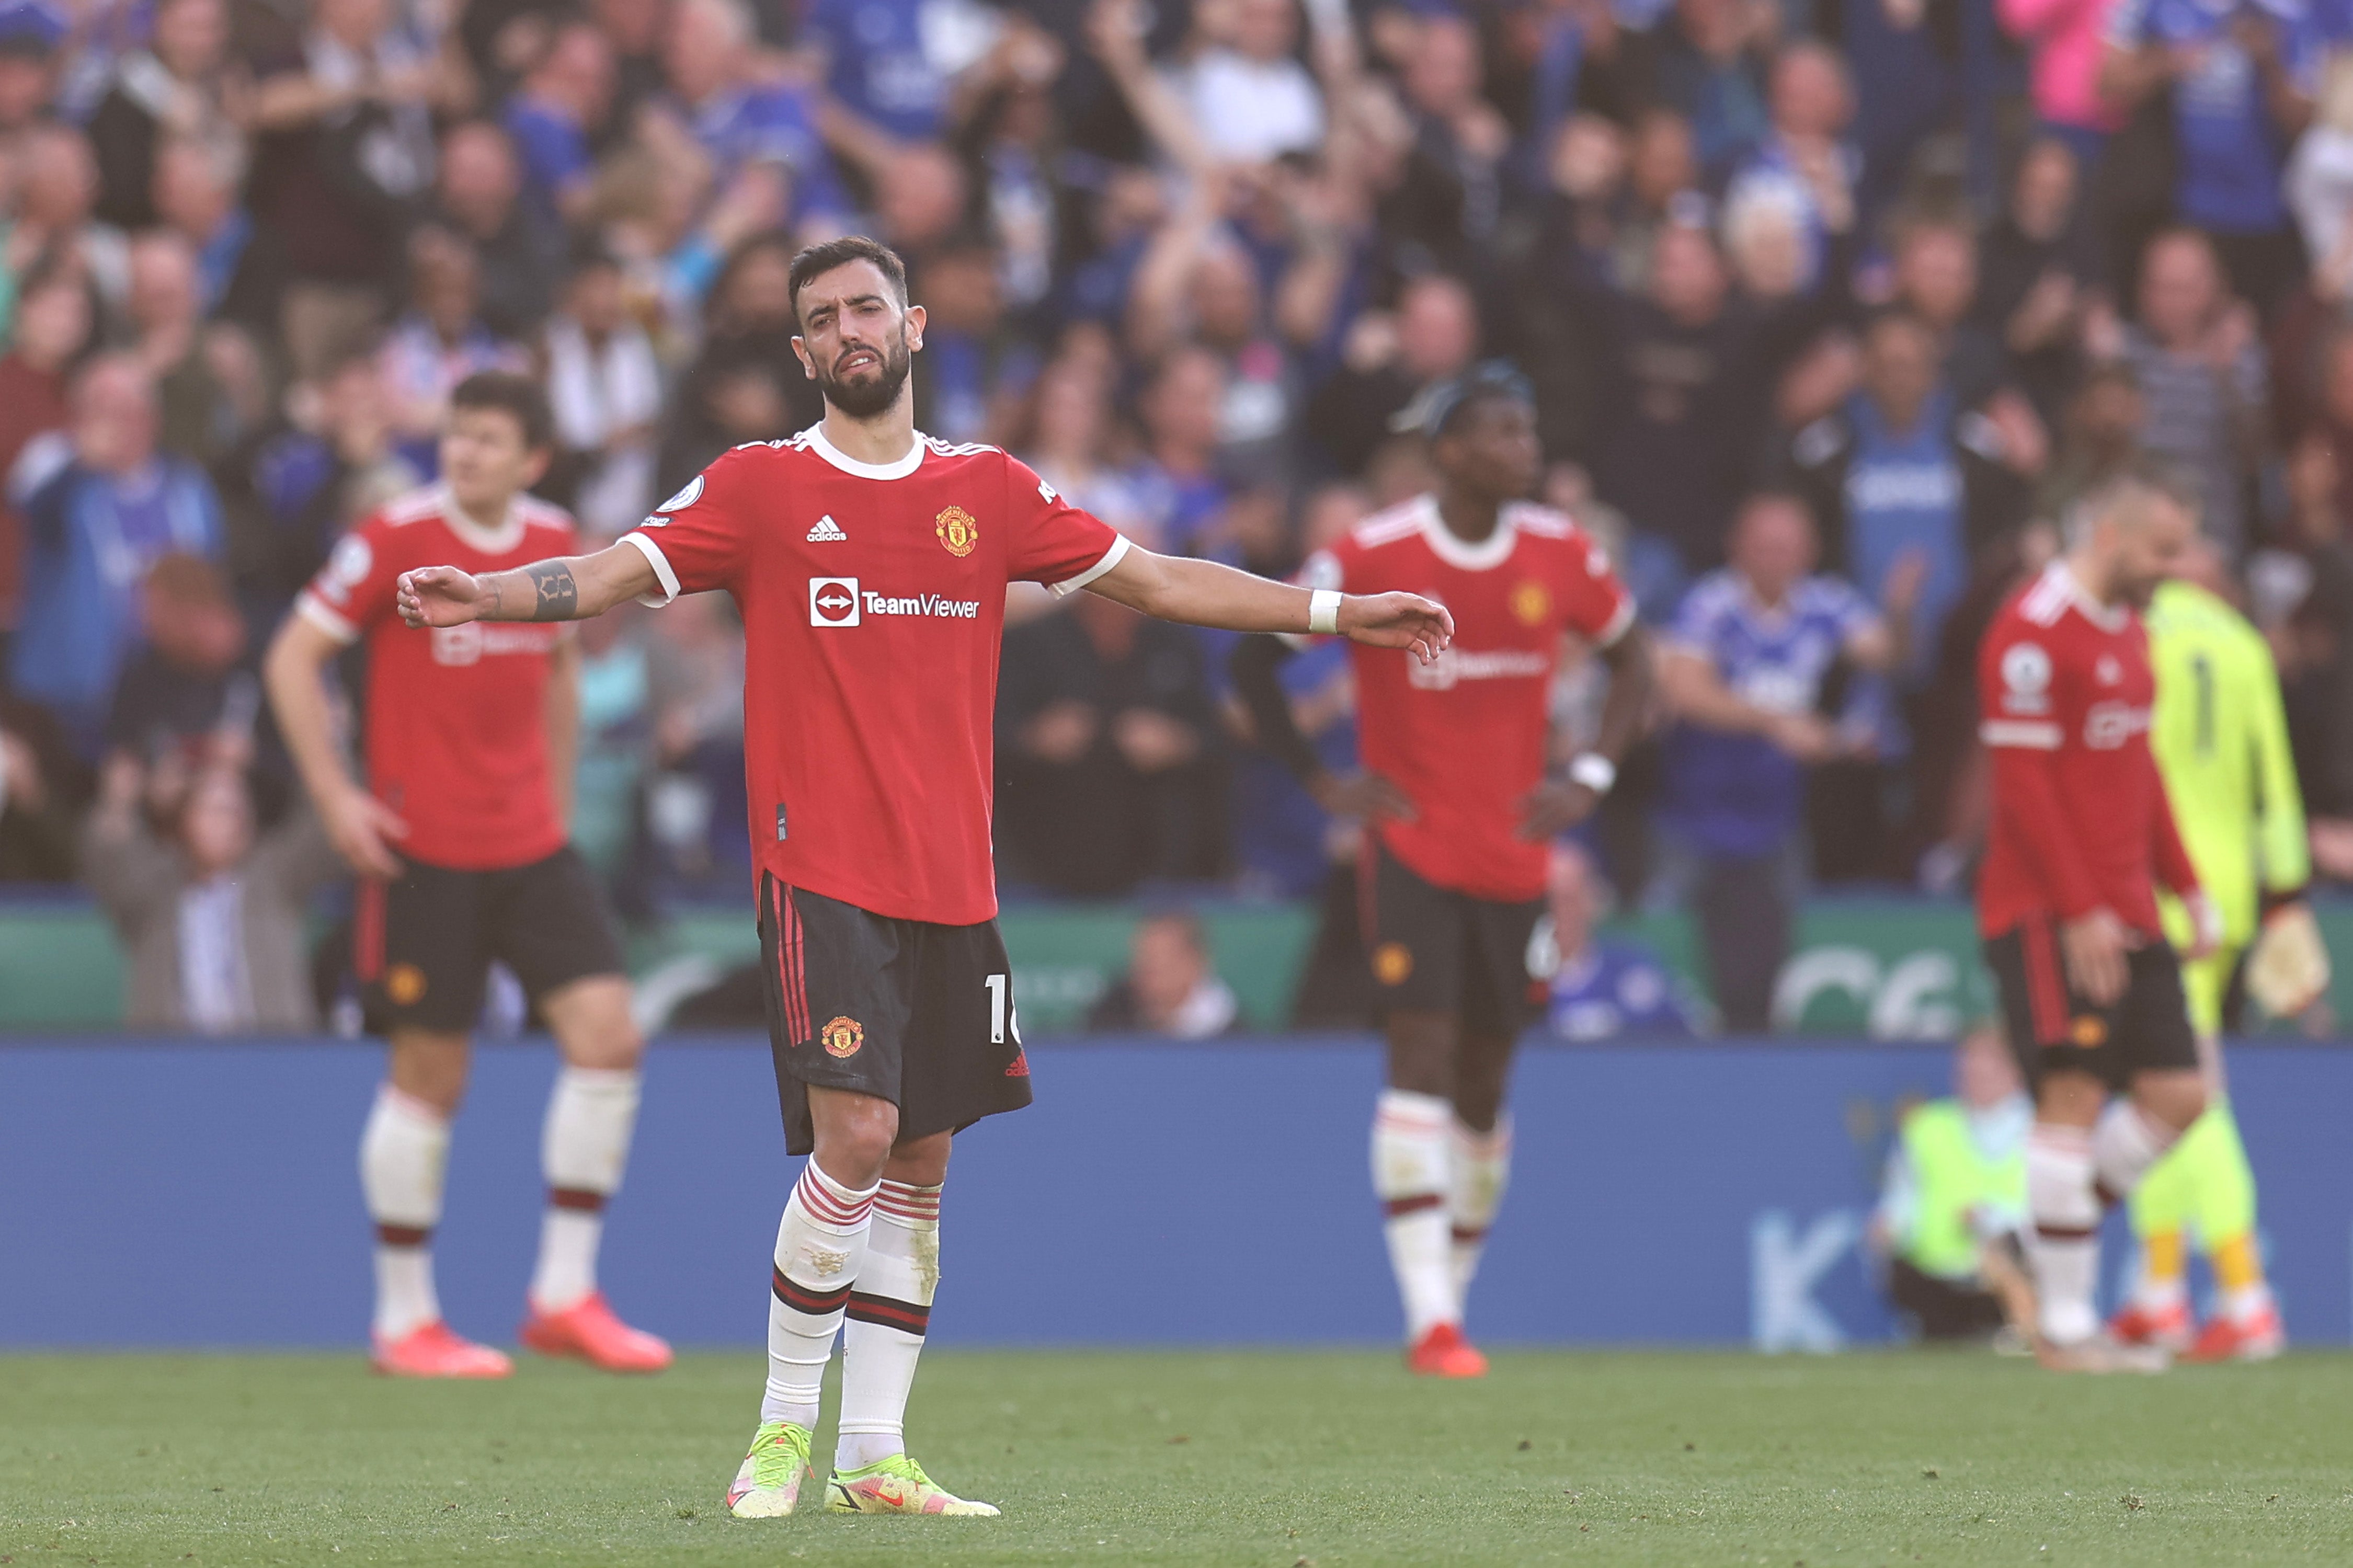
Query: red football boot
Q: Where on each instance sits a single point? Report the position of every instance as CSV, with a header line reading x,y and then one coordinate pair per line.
x,y
1444,1352
589,1330
2168,1327
2257,1336
433,1351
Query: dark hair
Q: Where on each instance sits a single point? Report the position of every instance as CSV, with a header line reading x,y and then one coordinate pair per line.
x,y
819,259
1443,405
517,396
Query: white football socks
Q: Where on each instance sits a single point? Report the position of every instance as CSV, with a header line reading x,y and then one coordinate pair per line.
x,y
1411,1177
583,1147
2063,1245
1480,1170
2125,1144
890,1309
403,1156
820,1249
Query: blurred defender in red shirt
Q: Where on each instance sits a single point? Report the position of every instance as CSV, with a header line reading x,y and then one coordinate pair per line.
x,y
2081,836
459,840
1452,872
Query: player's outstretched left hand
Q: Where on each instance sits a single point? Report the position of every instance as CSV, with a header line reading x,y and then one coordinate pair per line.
x,y
1398,620
439,597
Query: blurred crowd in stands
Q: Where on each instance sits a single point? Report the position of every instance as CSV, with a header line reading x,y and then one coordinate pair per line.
x,y
1833,306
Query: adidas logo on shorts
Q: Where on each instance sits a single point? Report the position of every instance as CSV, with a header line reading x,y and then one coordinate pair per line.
x,y
825,528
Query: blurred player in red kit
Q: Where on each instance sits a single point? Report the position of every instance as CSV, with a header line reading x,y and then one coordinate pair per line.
x,y
2081,837
460,841
1460,812
870,563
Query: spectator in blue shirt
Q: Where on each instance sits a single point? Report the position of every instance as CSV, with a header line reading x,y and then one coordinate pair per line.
x,y
878,66
1806,158
1908,484
1745,668
101,505
739,122
1598,988
2242,77
562,101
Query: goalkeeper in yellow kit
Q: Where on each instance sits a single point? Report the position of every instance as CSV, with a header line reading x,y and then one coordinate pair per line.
x,y
2221,741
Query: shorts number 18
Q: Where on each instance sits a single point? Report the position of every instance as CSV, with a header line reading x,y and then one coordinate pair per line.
x,y
1001,1015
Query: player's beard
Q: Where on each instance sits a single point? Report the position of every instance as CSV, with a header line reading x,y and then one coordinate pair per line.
x,y
866,398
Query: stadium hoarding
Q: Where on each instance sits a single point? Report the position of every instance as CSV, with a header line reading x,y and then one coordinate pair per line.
x,y
1884,967
1712,1193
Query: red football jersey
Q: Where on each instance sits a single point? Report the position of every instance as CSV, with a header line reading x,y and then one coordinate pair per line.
x,y
1465,737
873,604
456,718
2080,818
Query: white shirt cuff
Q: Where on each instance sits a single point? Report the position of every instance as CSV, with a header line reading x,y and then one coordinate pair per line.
x,y
660,563
1111,557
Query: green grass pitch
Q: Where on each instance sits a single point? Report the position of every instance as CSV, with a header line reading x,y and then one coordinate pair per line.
x,y
1276,1458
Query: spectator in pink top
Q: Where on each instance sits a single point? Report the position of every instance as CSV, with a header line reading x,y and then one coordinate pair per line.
x,y
2063,39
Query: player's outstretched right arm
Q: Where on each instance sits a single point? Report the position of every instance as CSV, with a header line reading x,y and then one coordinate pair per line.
x,y
569,588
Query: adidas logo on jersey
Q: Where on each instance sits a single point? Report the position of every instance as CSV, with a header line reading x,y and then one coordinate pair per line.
x,y
825,529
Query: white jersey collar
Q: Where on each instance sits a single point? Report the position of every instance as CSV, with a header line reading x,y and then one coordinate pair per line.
x,y
2107,617
900,469
488,540
1457,552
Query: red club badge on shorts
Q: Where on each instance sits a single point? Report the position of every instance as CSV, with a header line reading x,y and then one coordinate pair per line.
x,y
842,1036
958,529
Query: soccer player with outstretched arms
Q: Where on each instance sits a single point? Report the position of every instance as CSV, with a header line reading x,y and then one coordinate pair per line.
x,y
459,840
1452,872
2067,901
870,563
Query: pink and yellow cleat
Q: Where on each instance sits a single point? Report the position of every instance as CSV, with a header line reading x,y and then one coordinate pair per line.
x,y
896,1485
768,1486
1444,1352
589,1330
433,1351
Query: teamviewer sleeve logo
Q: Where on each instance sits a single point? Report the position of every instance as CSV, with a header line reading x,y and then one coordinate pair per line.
x,y
833,601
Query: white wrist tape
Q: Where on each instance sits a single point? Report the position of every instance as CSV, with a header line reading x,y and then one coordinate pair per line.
x,y
1323,611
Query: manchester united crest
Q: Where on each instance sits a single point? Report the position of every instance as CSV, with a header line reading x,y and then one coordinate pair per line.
x,y
958,530
1531,601
841,1037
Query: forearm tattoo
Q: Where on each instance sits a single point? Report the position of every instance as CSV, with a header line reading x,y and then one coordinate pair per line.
x,y
558,594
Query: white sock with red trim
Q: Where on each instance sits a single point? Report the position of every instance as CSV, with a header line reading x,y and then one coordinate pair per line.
x,y
1410,1176
820,1248
1480,1170
403,1155
890,1310
2125,1144
584,1148
2063,1245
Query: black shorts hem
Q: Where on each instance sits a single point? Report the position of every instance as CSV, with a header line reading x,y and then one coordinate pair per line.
x,y
1438,950
424,943
917,1014
2052,1028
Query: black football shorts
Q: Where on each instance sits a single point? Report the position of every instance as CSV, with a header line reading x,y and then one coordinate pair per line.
x,y
1434,950
423,945
2052,1028
917,1014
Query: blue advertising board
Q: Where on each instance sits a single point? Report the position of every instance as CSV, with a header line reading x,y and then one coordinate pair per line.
x,y
207,1194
